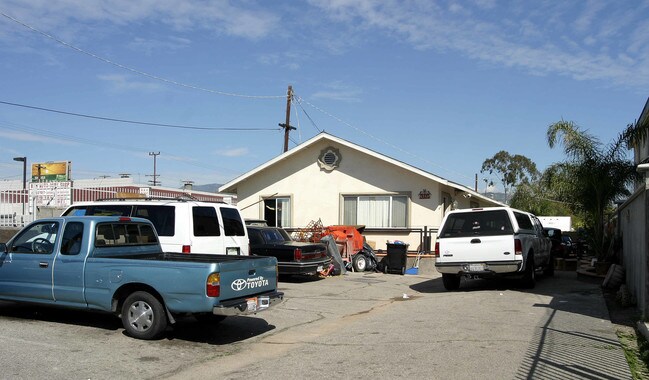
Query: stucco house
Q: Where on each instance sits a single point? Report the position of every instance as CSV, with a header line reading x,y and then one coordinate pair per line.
x,y
633,224
334,181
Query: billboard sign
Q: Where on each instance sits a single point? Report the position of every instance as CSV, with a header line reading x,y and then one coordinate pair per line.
x,y
51,171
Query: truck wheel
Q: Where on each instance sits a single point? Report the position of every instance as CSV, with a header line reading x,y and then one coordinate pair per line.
x,y
360,262
451,281
143,316
529,277
549,268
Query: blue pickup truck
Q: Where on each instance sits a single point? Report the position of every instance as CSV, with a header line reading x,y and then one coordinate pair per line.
x,y
116,265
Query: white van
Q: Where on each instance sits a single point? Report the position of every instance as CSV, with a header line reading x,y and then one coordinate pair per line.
x,y
185,226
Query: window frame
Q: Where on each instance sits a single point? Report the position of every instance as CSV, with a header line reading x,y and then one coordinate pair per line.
x,y
285,220
407,196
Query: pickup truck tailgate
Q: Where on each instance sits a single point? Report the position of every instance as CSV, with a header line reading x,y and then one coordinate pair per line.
x,y
243,278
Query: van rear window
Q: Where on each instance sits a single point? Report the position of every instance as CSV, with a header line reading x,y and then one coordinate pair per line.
x,y
482,223
232,223
206,223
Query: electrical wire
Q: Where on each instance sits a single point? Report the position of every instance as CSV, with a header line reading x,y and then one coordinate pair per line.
x,y
135,71
104,144
308,116
300,100
137,122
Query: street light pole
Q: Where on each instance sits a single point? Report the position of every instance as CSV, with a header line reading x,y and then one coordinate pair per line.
x,y
24,161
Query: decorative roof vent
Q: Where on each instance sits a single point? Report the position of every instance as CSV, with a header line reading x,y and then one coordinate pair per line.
x,y
329,158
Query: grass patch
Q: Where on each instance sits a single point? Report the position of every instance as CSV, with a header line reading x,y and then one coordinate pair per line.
x,y
636,350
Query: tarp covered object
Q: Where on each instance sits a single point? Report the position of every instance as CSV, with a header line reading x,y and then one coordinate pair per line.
x,y
332,251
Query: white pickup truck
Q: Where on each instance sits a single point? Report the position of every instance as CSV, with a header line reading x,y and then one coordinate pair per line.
x,y
491,242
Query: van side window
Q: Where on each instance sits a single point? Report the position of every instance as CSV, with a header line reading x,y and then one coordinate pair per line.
x,y
206,223
232,223
162,217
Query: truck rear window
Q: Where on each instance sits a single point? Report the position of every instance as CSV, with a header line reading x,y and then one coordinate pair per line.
x,y
481,223
124,234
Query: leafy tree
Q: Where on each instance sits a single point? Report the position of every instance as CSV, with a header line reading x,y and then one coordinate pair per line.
x,y
593,176
510,170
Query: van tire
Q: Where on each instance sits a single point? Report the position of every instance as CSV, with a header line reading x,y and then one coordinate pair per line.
x,y
143,316
451,281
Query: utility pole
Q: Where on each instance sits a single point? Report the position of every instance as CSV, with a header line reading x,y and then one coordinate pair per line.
x,y
155,174
287,127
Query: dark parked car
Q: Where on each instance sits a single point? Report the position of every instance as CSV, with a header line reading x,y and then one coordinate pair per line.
x,y
293,257
558,248
568,245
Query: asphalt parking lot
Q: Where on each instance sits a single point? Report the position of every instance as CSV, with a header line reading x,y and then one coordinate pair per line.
x,y
362,325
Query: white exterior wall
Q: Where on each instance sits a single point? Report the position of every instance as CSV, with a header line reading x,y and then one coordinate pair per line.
x,y
317,194
632,218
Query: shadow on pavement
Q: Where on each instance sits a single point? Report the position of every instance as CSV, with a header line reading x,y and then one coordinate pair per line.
x,y
574,340
232,329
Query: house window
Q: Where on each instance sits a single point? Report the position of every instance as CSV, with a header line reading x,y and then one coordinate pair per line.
x,y
277,212
376,210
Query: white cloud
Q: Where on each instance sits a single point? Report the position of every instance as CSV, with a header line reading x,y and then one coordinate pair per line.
x,y
124,83
148,46
233,152
31,137
246,20
340,92
575,39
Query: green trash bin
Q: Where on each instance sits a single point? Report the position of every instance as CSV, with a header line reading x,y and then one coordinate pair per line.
x,y
396,258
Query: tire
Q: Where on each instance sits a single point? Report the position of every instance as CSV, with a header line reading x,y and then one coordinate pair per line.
x,y
529,277
359,262
143,316
451,281
549,268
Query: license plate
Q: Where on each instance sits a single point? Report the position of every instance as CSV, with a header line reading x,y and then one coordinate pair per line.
x,y
476,267
252,304
320,269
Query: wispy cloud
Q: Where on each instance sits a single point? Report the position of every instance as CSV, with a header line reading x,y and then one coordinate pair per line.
x,y
339,91
247,20
148,46
126,83
582,40
233,152
32,137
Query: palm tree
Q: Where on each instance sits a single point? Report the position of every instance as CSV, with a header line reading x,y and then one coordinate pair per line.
x,y
593,176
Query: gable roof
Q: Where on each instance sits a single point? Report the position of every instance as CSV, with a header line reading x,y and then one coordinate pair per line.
x,y
232,185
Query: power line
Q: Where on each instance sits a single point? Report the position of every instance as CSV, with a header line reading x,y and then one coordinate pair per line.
x,y
135,71
136,122
307,115
102,144
300,100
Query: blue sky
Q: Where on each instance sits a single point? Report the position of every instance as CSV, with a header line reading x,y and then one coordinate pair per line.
x,y
440,85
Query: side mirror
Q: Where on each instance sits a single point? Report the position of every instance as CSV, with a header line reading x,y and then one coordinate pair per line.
x,y
3,247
